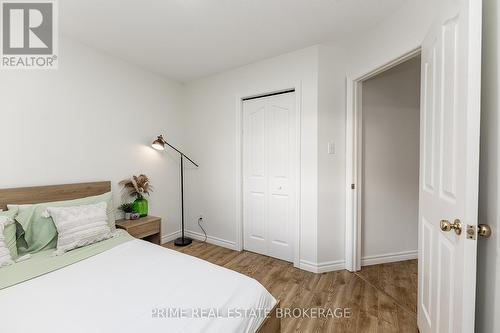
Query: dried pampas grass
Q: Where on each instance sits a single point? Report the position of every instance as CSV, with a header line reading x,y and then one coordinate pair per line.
x,y
137,186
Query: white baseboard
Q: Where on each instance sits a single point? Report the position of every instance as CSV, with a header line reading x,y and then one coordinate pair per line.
x,y
389,257
212,240
170,237
322,267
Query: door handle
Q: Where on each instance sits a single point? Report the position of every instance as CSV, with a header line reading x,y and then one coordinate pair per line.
x,y
447,226
484,230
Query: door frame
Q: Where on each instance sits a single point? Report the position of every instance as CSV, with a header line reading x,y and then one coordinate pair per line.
x,y
354,157
297,87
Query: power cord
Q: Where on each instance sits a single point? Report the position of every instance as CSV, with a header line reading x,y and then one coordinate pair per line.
x,y
199,224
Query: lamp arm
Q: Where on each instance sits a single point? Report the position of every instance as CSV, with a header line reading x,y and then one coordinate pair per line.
x,y
180,152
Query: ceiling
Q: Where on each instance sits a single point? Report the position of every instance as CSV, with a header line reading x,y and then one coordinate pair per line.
x,y
188,39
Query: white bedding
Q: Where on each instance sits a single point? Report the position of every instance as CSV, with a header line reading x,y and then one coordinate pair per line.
x,y
118,291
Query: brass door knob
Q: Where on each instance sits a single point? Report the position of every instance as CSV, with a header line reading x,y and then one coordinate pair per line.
x,y
447,226
484,230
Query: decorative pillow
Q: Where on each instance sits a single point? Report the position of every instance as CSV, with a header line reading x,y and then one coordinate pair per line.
x,y
80,225
9,231
21,242
40,231
5,256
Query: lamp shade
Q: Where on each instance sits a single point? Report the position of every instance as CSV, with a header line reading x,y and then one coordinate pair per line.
x,y
159,143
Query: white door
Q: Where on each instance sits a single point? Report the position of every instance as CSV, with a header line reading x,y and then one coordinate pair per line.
x,y
449,169
269,155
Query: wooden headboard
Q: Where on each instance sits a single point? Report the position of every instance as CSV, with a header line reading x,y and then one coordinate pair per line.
x,y
40,194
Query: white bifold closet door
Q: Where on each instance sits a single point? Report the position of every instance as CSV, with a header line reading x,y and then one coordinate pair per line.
x,y
269,155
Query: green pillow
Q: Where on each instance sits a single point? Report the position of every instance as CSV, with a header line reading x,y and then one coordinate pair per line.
x,y
41,233
10,232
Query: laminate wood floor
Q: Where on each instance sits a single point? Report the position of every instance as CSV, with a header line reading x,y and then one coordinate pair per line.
x,y
399,280
382,297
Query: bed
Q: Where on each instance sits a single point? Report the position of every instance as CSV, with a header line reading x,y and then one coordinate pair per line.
x,y
125,285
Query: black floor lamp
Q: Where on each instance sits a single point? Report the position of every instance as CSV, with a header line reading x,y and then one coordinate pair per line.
x,y
159,144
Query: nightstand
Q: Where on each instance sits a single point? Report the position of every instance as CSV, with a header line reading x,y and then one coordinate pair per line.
x,y
147,228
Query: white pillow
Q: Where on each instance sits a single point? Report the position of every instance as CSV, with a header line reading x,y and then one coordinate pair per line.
x,y
79,226
5,257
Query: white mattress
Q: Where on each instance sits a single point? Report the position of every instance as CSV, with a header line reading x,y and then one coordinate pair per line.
x,y
118,291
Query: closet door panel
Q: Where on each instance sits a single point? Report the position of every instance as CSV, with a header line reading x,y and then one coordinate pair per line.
x,y
255,182
269,143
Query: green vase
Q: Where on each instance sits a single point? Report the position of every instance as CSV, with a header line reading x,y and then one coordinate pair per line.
x,y
141,206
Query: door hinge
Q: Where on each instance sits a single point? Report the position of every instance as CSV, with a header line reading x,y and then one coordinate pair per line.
x,y
353,187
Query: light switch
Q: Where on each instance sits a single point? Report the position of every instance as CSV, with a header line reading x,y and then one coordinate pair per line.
x,y
331,148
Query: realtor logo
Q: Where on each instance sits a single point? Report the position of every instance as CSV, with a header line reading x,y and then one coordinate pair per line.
x,y
28,35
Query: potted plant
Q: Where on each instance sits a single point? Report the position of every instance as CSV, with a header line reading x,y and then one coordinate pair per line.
x,y
138,187
128,209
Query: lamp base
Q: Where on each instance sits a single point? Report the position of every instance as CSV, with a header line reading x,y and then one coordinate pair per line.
x,y
183,241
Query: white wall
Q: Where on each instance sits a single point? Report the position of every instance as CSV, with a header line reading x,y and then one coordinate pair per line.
x,y
488,276
331,167
402,32
92,119
211,140
391,117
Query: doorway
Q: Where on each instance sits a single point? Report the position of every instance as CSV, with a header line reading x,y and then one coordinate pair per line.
x,y
269,172
383,198
354,162
388,181
448,226
389,145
